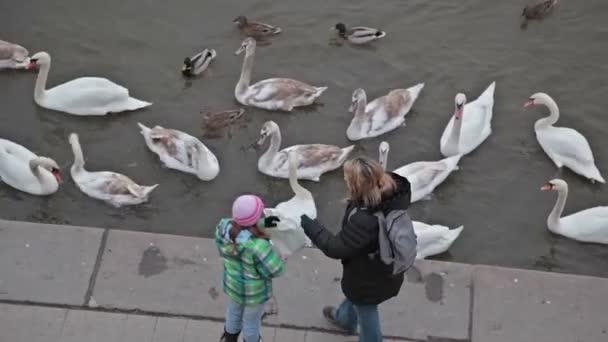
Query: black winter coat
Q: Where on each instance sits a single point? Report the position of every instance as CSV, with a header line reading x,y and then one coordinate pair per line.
x,y
366,280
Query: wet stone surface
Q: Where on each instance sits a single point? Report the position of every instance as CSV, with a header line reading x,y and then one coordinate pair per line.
x,y
163,273
434,302
433,286
152,262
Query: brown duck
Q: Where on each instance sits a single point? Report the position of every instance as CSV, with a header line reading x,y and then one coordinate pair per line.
x,y
538,11
255,29
213,121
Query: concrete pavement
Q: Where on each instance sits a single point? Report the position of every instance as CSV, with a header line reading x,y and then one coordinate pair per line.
x,y
19,323
57,282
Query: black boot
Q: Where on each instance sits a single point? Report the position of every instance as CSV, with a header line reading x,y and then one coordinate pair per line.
x,y
227,337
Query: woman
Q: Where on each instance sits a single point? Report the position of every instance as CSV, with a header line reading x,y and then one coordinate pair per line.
x,y
366,280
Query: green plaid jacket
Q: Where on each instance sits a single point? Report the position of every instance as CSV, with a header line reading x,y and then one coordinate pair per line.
x,y
250,263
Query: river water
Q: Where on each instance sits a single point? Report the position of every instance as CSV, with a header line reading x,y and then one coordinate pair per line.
x,y
452,46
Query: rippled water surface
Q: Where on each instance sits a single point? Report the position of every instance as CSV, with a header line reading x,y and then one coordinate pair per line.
x,y
452,46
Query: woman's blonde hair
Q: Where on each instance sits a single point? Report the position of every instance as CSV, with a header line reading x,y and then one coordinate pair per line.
x,y
367,181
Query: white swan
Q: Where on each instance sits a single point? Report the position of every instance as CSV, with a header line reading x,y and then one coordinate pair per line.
x,y
289,236
181,151
565,146
383,114
273,93
82,96
589,225
111,187
424,176
13,56
313,159
470,125
27,172
434,239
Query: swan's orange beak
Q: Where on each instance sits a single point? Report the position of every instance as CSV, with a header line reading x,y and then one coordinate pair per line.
x,y
529,103
547,187
31,65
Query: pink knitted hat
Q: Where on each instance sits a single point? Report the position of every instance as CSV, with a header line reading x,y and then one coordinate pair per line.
x,y
247,210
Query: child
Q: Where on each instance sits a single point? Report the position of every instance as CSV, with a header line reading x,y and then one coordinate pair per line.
x,y
250,263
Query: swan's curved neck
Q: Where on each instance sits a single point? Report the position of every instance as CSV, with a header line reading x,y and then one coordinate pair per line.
x,y
360,108
356,125
45,183
273,149
43,74
558,209
245,79
298,190
553,114
453,142
383,160
78,165
34,167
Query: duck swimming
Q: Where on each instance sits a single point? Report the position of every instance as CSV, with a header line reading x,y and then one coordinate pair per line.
x,y
218,120
214,123
198,63
358,34
538,11
255,29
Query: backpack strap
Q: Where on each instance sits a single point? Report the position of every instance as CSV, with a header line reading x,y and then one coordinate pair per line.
x,y
382,230
351,213
380,217
384,237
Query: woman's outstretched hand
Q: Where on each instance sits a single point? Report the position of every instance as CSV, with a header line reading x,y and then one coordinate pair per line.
x,y
305,221
311,227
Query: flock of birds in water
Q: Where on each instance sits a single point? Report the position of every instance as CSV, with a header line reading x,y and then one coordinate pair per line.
x,y
467,129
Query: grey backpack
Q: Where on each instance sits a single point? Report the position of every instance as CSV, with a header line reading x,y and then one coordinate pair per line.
x,y
397,240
